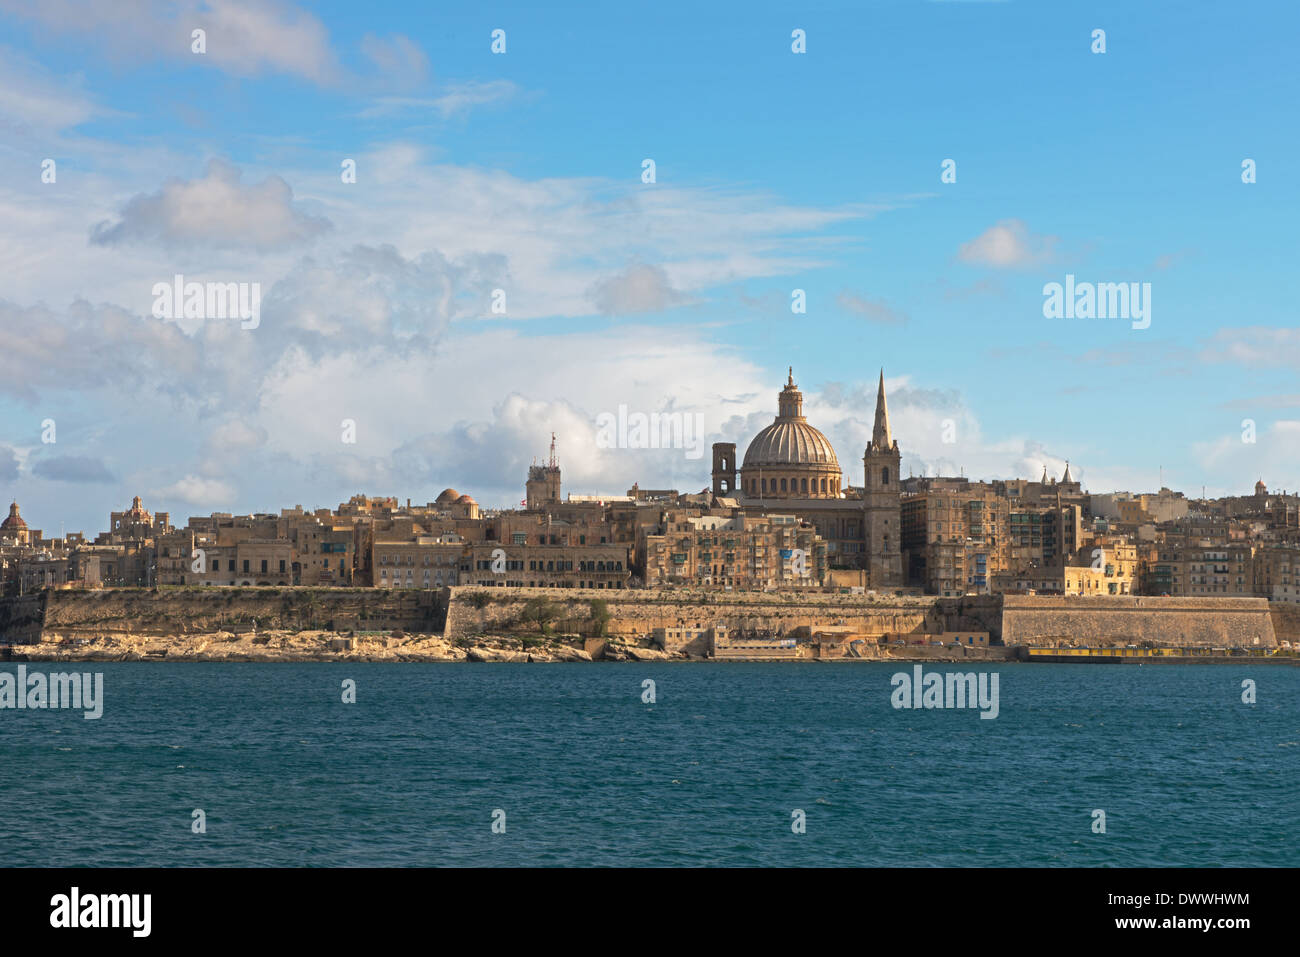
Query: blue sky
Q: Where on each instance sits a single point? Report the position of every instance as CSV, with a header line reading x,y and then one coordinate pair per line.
x,y
775,171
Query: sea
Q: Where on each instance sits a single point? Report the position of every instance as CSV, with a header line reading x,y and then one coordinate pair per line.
x,y
667,764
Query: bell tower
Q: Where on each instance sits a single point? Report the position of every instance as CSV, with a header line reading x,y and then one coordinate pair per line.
x,y
882,500
724,469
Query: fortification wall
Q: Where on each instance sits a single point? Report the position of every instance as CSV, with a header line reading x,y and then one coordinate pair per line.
x,y
1124,620
21,619
1286,621
468,611
181,611
475,610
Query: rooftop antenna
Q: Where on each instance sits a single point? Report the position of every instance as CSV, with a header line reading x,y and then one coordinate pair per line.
x,y
552,462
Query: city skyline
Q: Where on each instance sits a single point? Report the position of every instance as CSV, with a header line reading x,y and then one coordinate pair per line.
x,y
478,171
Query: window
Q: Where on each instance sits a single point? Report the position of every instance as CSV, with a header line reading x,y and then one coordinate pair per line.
x,y
263,564
282,563
884,476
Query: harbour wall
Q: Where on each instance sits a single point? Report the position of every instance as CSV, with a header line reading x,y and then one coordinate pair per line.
x,y
1100,622
637,613
197,610
469,611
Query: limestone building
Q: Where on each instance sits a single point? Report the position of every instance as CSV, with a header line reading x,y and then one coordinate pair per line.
x,y
791,468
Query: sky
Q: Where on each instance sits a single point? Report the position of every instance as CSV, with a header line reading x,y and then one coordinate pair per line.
x,y
499,268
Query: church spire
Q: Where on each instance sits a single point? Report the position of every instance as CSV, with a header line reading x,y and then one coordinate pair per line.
x,y
880,438
1066,477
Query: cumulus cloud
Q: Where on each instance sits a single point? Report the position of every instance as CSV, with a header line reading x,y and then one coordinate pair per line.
x,y
244,37
89,345
233,437
1008,244
639,288
216,210
196,490
72,468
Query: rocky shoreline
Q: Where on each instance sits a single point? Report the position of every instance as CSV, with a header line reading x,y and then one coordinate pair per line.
x,y
304,646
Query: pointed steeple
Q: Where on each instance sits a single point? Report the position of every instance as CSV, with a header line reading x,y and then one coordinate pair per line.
x,y
1066,477
1043,480
880,438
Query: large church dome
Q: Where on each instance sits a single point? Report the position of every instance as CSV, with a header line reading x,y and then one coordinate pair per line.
x,y
790,443
790,458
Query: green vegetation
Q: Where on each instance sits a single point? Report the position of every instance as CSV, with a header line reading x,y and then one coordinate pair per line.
x,y
540,612
599,617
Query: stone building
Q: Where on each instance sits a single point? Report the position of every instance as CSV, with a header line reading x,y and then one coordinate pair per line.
x,y
745,551
791,467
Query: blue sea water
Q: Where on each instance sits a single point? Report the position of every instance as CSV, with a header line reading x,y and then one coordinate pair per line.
x,y
709,774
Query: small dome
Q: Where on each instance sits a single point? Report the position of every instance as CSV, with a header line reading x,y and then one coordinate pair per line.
x,y
465,500
14,521
448,496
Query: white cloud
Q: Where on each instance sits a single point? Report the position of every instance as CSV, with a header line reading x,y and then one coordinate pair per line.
x,y
1258,346
397,58
244,37
196,490
216,210
1008,244
639,288
456,99
33,101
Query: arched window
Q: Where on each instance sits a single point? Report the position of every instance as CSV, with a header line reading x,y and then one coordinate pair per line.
x,y
764,485
783,488
803,485
823,486
884,476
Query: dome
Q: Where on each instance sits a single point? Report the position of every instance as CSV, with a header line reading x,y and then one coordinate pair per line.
x,y
790,458
14,521
448,496
790,443
790,440
465,500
